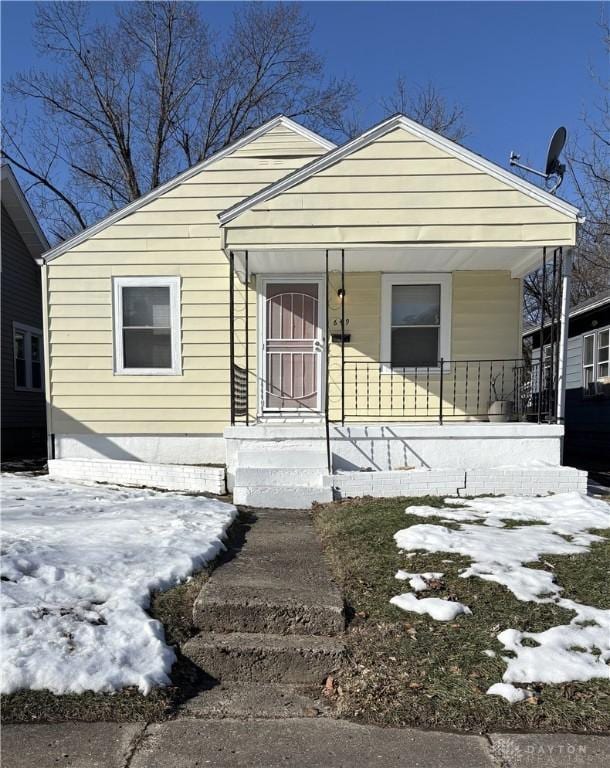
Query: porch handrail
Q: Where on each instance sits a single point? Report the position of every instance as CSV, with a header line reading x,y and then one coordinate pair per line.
x,y
450,390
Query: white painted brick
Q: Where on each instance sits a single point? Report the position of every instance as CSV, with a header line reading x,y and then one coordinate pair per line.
x,y
169,477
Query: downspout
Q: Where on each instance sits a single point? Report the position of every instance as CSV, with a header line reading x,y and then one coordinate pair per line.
x,y
564,335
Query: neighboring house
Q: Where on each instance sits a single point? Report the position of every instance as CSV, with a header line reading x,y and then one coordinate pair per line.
x,y
300,312
23,401
587,410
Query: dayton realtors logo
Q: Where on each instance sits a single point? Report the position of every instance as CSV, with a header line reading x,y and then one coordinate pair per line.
x,y
561,753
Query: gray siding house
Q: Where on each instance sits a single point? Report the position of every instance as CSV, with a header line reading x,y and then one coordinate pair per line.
x,y
23,399
587,409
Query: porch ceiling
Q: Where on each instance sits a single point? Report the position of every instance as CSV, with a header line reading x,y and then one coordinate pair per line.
x,y
519,261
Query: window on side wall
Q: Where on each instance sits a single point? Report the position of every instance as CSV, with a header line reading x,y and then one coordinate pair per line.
x,y
147,325
27,353
416,321
595,360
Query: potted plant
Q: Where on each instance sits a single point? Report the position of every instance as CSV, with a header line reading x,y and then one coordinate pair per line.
x,y
501,407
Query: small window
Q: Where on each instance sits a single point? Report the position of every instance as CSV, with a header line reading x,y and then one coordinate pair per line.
x,y
27,349
416,322
603,344
147,325
595,360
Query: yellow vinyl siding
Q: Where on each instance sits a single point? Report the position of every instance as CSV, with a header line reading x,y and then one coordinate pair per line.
x,y
399,189
486,308
176,234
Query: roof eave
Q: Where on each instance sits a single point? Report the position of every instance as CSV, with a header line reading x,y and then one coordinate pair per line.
x,y
391,123
85,234
7,176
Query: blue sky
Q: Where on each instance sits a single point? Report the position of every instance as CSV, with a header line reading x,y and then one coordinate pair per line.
x,y
520,69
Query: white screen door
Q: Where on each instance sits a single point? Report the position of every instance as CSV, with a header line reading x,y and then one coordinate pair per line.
x,y
293,347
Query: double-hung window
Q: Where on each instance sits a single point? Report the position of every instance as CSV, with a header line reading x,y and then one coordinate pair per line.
x,y
595,359
416,320
27,352
147,325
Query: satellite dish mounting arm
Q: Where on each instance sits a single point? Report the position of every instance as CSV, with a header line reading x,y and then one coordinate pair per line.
x,y
554,169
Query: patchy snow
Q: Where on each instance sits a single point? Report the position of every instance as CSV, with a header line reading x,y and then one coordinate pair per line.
x,y
441,610
418,581
552,525
509,692
79,564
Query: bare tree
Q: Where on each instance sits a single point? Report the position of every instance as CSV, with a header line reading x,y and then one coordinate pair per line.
x,y
428,106
588,165
132,102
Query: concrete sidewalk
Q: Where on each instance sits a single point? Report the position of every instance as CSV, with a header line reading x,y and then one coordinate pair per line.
x,y
298,743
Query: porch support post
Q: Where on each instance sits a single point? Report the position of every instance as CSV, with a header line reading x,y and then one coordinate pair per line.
x,y
541,355
327,356
552,340
232,333
563,337
342,336
247,288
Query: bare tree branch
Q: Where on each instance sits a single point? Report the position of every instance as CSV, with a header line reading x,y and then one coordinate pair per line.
x,y
131,102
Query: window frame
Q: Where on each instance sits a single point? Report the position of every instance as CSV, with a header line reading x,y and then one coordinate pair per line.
x,y
598,362
595,364
28,331
388,280
173,283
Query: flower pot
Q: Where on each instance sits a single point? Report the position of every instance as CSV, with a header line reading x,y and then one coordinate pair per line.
x,y
500,410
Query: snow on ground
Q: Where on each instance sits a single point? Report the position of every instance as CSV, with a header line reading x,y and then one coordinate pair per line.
x,y
509,692
418,581
441,610
553,525
78,566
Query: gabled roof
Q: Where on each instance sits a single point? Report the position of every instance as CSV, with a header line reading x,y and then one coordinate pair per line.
x,y
376,132
158,191
21,214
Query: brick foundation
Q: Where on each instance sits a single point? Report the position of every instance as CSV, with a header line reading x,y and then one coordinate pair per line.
x,y
170,477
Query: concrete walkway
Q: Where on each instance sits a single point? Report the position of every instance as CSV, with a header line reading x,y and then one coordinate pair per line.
x,y
270,621
298,743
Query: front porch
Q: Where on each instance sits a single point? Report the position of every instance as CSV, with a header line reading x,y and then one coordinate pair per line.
x,y
352,345
269,462
442,402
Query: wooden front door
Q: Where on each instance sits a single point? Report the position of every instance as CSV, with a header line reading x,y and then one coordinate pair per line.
x,y
292,347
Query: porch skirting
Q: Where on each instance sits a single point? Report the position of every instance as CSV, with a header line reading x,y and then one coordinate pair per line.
x,y
389,447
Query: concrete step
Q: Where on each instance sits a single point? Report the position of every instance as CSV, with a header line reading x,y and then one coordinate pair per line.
x,y
311,477
230,606
254,657
283,458
274,497
256,701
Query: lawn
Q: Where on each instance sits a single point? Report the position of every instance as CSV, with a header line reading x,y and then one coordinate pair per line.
x,y
406,669
98,588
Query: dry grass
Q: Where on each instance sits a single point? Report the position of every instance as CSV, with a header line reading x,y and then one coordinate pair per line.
x,y
408,670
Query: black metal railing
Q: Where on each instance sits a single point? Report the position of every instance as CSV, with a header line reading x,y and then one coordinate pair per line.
x,y
452,390
239,404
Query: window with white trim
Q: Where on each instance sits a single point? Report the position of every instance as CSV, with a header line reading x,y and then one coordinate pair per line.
x,y
147,325
27,352
416,320
595,359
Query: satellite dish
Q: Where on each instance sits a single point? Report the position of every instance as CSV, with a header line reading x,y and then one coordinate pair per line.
x,y
553,166
554,169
